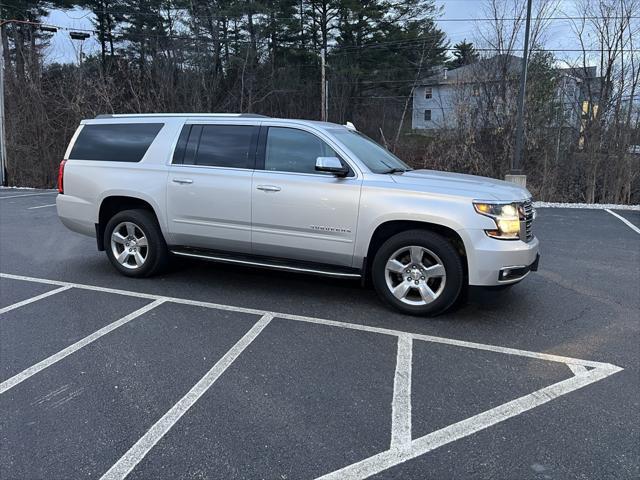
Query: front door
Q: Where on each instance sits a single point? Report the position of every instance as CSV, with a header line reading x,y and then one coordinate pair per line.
x,y
209,187
299,213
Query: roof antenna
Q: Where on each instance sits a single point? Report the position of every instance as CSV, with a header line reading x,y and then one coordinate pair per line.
x,y
351,126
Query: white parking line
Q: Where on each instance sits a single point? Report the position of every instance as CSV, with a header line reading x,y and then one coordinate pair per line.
x,y
577,369
27,195
130,293
510,351
402,447
140,449
624,220
420,446
42,206
401,405
34,299
47,362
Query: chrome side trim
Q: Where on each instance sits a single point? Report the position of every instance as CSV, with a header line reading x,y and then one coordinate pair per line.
x,y
266,265
294,233
212,224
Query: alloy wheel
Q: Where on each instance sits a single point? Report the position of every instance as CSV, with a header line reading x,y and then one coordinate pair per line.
x,y
415,275
129,245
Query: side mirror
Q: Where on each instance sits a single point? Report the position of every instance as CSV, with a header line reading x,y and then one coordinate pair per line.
x,y
331,165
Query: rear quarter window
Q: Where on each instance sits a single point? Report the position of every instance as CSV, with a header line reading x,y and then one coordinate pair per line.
x,y
126,142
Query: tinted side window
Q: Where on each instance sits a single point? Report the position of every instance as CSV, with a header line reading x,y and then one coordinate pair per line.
x,y
229,146
181,146
192,144
291,150
127,142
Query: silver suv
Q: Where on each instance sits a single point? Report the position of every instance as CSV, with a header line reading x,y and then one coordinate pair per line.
x,y
294,195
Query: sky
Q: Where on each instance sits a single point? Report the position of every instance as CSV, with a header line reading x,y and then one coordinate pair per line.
x,y
63,49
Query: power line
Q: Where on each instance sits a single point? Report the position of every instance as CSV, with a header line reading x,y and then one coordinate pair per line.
x,y
230,14
222,15
337,49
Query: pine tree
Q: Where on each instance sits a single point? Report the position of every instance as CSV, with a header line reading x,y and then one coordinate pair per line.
x,y
463,53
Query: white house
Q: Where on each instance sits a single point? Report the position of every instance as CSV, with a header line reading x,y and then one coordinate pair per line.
x,y
479,92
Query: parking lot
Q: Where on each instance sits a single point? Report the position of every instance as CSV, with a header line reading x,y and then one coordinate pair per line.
x,y
220,372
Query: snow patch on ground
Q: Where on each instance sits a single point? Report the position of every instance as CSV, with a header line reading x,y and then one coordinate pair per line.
x,y
27,188
598,206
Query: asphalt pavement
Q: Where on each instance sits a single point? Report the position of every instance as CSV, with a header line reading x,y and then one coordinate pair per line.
x,y
217,372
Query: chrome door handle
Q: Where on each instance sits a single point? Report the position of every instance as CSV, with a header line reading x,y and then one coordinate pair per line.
x,y
182,180
268,188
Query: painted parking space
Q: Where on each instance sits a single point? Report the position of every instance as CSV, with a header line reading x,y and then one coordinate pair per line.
x,y
82,413
28,202
32,333
272,388
14,291
360,425
469,382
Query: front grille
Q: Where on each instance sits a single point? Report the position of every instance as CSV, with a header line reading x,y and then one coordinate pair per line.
x,y
527,213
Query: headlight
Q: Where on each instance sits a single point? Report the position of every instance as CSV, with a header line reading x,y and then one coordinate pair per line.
x,y
506,217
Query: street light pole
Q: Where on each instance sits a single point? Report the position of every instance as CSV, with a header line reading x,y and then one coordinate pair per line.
x,y
3,139
81,36
516,174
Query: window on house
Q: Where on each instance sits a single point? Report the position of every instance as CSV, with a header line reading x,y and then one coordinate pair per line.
x,y
428,92
427,115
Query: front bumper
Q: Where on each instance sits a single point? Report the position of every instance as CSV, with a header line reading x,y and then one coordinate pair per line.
x,y
494,262
515,273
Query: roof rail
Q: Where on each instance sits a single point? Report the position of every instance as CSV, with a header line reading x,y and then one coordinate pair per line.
x,y
134,115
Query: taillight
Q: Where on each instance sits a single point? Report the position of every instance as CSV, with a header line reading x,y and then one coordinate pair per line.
x,y
61,176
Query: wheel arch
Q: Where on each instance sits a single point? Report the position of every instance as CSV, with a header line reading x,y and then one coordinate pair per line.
x,y
387,229
112,204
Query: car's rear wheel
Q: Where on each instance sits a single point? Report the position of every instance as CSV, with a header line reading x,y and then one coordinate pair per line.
x,y
134,243
418,272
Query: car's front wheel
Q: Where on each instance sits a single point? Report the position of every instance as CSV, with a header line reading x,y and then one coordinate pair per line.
x,y
418,272
134,243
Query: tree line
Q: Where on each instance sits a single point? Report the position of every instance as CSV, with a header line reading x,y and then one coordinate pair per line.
x,y
264,57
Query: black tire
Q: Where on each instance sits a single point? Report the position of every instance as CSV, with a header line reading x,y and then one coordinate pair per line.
x,y
439,246
156,252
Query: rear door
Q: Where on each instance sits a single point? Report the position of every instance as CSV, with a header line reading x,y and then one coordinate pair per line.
x,y
209,186
300,213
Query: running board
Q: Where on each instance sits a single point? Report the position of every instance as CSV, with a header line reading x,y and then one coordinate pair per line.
x,y
266,263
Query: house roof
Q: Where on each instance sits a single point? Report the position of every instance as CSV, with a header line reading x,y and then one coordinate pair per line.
x,y
491,68
582,73
482,70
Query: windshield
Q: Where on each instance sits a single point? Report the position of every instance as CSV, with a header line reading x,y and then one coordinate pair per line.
x,y
377,158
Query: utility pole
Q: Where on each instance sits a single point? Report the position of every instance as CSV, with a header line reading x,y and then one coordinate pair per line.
x,y
323,86
516,174
3,144
326,100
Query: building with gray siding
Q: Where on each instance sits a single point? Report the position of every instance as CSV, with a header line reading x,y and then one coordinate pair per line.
x,y
484,93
